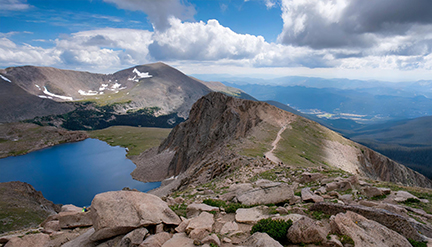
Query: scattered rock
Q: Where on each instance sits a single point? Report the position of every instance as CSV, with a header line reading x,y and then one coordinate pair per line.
x,y
292,217
183,225
199,227
229,227
333,242
250,215
51,226
33,240
194,210
366,232
282,210
211,239
118,212
307,231
179,240
308,196
74,219
401,196
70,208
307,177
259,239
134,238
266,193
156,240
83,240
372,191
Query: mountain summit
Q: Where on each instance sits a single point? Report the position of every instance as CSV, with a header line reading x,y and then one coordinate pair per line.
x,y
223,132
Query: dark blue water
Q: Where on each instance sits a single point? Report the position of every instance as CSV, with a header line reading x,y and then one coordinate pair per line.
x,y
74,172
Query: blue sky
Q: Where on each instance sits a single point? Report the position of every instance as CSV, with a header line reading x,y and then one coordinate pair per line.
x,y
378,39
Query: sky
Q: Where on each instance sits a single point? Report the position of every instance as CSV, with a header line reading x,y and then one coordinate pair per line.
x,y
387,40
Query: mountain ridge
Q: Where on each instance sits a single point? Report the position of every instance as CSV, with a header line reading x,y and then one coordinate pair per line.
x,y
223,132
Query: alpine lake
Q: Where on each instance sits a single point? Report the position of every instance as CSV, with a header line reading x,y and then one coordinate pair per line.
x,y
74,173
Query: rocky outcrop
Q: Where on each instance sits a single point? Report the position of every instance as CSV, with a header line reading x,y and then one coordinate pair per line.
x,y
259,239
118,212
266,192
396,222
364,232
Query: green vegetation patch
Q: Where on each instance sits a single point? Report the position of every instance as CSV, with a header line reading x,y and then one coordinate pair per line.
x,y
417,244
378,197
18,218
179,209
302,144
136,139
277,229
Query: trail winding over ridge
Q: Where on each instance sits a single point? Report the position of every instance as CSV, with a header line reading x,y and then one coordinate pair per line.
x,y
270,154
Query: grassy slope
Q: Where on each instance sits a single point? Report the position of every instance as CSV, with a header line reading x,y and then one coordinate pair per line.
x,y
137,139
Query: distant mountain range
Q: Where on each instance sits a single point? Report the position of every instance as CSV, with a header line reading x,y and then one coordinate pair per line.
x,y
147,95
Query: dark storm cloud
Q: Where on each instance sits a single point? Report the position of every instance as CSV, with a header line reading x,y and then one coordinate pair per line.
x,y
360,24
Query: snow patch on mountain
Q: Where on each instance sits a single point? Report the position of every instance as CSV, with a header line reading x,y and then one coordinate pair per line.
x,y
89,93
141,75
4,78
55,95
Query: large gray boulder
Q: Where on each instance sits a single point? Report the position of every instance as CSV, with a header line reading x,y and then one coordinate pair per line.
x,y
307,231
364,232
402,225
73,219
156,240
194,210
118,212
266,192
83,240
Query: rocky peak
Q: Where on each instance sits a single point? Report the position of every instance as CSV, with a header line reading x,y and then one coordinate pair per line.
x,y
214,121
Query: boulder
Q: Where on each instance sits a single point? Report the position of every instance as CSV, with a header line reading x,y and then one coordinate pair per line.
x,y
364,232
156,240
33,240
83,240
401,196
259,239
229,227
73,219
194,210
333,241
51,226
250,215
292,217
307,177
183,225
70,208
134,238
211,239
179,240
308,196
395,222
372,191
307,231
118,212
201,226
266,193
281,210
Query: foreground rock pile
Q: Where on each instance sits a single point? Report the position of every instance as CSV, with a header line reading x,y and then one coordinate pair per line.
x,y
324,211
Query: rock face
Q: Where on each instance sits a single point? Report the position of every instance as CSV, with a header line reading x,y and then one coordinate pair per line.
x,y
366,232
117,212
